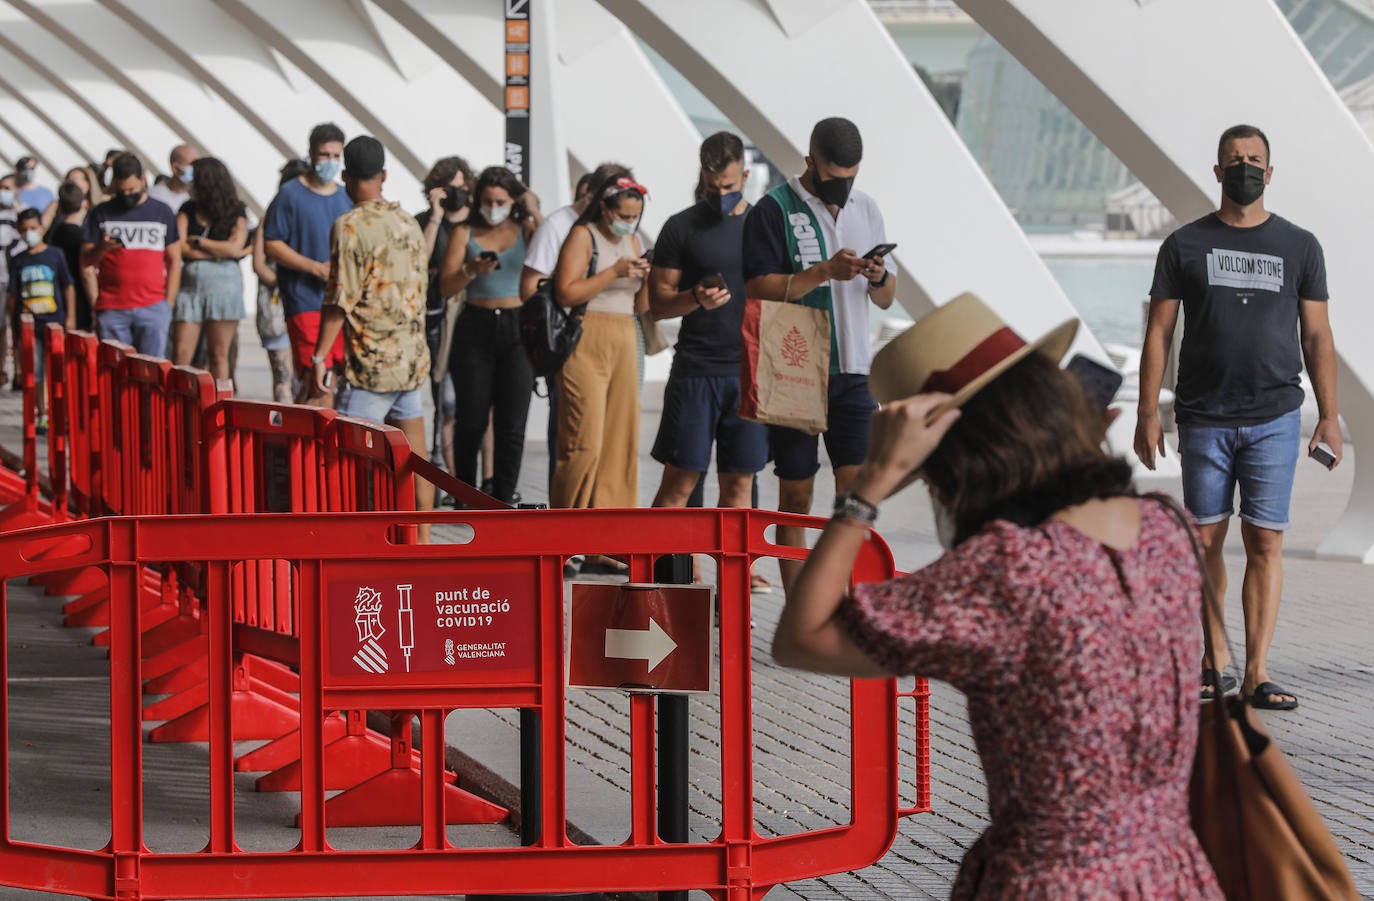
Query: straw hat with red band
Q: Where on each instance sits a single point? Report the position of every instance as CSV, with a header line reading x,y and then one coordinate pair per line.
x,y
957,349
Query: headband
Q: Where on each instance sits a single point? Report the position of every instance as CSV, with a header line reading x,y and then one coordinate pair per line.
x,y
623,184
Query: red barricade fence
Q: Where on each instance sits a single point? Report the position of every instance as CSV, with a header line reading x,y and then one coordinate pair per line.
x,y
231,626
344,561
25,507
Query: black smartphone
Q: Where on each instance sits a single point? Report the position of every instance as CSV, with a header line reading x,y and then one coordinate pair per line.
x,y
714,280
647,255
489,255
1099,382
1323,455
881,250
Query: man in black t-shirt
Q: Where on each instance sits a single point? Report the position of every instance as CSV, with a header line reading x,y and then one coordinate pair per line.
x,y
698,274
1253,290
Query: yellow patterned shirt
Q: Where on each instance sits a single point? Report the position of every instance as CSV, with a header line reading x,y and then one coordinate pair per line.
x,y
378,277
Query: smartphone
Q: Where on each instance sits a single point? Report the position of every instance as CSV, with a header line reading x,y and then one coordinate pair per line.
x,y
329,379
881,250
714,280
1099,382
489,255
647,255
1323,455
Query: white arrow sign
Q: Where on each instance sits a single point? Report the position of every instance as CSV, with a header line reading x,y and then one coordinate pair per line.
x,y
652,644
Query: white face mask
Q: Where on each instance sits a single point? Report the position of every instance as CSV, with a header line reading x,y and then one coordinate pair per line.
x,y
495,215
33,237
623,228
6,197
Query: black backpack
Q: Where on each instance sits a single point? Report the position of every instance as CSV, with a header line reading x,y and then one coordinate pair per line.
x,y
549,332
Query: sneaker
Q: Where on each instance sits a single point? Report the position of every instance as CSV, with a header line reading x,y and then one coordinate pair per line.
x,y
759,585
42,427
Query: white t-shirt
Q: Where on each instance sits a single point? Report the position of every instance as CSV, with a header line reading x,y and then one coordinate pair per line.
x,y
173,199
860,228
548,238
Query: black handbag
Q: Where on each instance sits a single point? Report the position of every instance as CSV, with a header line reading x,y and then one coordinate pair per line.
x,y
548,331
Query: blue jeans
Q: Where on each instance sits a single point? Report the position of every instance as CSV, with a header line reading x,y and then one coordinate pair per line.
x,y
379,406
143,327
1259,458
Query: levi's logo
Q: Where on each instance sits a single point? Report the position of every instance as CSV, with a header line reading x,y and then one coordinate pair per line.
x,y
808,245
1238,269
139,235
794,349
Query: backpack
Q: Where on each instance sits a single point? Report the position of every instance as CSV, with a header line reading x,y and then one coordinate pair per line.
x,y
548,331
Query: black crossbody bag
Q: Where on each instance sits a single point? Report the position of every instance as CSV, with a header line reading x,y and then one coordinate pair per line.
x,y
548,331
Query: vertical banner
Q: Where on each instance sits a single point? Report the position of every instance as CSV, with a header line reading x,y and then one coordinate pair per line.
x,y
518,88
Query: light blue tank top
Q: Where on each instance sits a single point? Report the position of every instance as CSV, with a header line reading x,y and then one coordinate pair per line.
x,y
504,282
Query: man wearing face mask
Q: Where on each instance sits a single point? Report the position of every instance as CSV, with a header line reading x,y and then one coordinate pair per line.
x,y
31,193
1253,288
698,274
296,238
40,285
135,246
802,244
177,189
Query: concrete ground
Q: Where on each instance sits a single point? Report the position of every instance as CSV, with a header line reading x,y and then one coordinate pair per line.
x,y
1324,652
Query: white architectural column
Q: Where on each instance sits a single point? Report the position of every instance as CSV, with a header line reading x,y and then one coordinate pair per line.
x,y
778,67
1154,82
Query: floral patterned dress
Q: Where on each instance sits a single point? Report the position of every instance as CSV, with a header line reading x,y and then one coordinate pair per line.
x,y
1080,664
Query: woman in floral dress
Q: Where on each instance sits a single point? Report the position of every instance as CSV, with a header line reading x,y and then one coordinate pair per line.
x,y
1067,612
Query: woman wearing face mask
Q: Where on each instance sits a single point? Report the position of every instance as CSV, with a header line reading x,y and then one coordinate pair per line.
x,y
492,379
214,228
598,387
446,189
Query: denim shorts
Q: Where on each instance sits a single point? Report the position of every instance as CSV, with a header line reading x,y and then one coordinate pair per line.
x,y
211,291
796,455
1259,458
379,406
699,410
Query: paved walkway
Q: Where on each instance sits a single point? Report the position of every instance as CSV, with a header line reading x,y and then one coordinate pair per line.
x,y
1324,652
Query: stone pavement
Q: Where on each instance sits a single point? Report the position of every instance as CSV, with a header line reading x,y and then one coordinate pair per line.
x,y
1324,652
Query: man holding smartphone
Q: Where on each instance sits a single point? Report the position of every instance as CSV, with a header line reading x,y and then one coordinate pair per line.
x,y
1253,287
802,244
698,274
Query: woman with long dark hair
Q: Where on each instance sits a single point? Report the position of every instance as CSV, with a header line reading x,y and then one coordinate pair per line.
x,y
1067,611
492,379
598,386
214,229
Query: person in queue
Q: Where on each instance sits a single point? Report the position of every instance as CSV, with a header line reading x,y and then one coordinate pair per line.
x,y
1061,598
598,386
823,271
492,378
214,229
446,188
271,317
65,235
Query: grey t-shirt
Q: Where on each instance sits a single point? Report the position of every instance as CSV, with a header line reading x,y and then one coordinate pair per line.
x,y
1241,290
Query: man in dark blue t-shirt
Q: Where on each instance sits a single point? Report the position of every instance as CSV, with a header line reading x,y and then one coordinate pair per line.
x,y
41,285
296,237
698,274
1253,290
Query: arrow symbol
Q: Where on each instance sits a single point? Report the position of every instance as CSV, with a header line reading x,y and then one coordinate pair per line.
x,y
650,645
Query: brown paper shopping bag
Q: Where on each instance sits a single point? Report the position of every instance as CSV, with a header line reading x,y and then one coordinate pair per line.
x,y
785,368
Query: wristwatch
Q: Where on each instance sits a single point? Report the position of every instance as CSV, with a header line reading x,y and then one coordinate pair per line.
x,y
849,505
880,282
317,360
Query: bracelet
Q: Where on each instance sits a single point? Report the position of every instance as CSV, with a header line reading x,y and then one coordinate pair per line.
x,y
849,505
317,360
880,282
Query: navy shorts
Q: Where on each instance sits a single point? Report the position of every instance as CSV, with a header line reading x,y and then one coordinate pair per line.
x,y
700,409
796,455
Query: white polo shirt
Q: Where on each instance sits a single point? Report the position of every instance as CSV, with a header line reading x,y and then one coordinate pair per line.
x,y
548,238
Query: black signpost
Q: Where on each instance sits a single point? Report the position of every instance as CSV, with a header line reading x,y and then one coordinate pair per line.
x,y
518,27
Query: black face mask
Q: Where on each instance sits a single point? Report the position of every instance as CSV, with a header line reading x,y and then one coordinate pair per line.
x,y
128,201
833,191
454,199
1242,182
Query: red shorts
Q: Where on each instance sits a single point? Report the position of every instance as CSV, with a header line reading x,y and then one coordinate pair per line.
x,y
304,330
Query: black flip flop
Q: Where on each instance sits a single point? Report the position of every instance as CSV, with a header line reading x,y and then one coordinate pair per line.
x,y
1229,684
1260,697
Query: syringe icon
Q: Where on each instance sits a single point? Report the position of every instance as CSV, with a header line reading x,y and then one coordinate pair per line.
x,y
405,619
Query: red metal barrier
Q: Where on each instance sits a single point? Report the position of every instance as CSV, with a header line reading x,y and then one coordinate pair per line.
x,y
26,508
148,435
59,427
109,370
519,556
83,416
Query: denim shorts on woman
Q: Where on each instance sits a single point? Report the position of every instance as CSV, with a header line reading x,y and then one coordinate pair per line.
x,y
211,291
1259,458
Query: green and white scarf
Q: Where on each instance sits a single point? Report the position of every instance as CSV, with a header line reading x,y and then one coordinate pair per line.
x,y
806,248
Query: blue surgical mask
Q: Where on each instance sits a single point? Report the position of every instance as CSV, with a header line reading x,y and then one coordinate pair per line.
x,y
328,169
187,175
623,228
729,201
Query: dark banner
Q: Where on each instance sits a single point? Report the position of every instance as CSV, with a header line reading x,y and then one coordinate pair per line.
x,y
518,88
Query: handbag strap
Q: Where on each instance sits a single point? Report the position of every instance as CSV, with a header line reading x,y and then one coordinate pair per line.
x,y
1211,604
